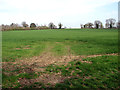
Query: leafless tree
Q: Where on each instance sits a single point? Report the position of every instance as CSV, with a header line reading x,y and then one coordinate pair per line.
x,y
97,24
13,26
86,26
110,22
106,25
24,24
51,25
101,26
90,25
82,26
60,25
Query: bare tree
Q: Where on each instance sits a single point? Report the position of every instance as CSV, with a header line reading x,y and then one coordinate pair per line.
x,y
24,24
86,26
97,24
110,22
51,25
101,26
107,25
90,25
13,26
82,26
60,25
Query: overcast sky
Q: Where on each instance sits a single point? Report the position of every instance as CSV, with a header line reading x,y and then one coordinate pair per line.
x,y
71,13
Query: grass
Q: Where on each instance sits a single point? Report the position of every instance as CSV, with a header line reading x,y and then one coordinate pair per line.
x,y
81,42
100,73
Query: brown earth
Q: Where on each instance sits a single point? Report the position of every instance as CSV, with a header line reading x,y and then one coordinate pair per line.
x,y
38,64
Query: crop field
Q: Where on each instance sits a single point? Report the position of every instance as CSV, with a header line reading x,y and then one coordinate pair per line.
x,y
63,58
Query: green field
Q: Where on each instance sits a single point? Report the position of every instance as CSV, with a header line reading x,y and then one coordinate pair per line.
x,y
71,58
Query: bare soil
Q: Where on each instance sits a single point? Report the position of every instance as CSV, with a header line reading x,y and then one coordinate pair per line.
x,y
38,63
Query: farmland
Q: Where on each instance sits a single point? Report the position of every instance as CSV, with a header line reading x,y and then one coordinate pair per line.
x,y
71,58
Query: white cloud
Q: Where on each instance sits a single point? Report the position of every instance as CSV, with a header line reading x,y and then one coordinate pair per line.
x,y
45,11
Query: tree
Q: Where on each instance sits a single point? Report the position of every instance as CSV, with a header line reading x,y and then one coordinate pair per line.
x,y
24,24
13,26
82,26
110,22
101,26
97,24
54,27
51,25
42,27
32,25
60,25
106,25
86,26
89,25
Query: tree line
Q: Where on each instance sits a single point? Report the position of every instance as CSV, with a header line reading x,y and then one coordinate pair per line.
x,y
110,23
32,26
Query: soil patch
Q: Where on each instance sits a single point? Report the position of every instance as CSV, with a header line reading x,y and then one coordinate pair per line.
x,y
45,78
103,55
37,64
25,47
